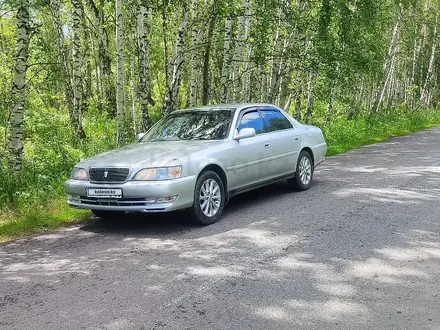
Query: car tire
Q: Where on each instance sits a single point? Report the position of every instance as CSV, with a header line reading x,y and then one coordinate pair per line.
x,y
108,215
304,172
209,199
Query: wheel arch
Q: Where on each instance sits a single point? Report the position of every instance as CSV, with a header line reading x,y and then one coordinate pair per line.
x,y
310,152
219,171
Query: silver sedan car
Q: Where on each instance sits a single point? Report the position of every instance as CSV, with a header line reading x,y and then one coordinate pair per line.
x,y
197,159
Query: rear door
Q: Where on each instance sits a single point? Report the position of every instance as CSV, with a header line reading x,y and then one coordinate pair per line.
x,y
251,158
285,142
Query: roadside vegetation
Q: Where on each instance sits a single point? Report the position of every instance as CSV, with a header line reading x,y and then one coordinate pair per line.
x,y
83,76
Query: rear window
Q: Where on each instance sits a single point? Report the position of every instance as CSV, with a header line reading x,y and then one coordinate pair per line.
x,y
275,120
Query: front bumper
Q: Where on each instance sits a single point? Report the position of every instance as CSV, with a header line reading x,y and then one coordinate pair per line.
x,y
138,196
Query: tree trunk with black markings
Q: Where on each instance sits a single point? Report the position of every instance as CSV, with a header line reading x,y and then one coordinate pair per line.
x,y
19,89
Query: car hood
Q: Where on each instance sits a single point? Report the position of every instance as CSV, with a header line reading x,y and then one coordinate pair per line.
x,y
147,154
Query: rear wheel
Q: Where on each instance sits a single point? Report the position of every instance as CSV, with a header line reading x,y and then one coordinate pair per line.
x,y
209,199
304,172
108,215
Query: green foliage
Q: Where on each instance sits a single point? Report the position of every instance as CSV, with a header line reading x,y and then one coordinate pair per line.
x,y
49,157
343,134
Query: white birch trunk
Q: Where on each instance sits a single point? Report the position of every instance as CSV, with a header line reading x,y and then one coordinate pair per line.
x,y
247,67
107,100
119,72
277,79
224,79
414,61
133,97
287,104
143,63
275,60
194,54
387,66
172,96
424,95
207,53
75,123
77,14
333,89
361,92
310,96
423,38
298,97
392,79
19,85
238,52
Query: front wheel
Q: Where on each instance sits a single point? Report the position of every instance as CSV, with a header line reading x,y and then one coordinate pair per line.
x,y
209,199
304,172
108,215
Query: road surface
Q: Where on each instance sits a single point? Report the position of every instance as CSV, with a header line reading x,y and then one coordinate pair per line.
x,y
360,250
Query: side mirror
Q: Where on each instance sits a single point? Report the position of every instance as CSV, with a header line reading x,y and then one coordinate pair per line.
x,y
139,136
245,133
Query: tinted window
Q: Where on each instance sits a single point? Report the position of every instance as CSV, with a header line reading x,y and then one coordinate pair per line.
x,y
275,120
192,125
252,120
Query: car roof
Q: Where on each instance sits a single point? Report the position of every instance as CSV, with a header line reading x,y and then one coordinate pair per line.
x,y
232,106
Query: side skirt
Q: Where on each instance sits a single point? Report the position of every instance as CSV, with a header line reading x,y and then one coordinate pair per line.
x,y
235,192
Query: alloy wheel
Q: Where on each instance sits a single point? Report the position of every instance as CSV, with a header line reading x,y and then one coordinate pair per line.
x,y
210,197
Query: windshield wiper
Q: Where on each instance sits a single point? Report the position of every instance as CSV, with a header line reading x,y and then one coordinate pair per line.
x,y
166,138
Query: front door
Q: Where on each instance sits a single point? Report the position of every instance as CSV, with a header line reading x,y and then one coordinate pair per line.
x,y
252,158
285,143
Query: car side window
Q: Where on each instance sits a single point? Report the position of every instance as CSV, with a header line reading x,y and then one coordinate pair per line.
x,y
252,120
275,120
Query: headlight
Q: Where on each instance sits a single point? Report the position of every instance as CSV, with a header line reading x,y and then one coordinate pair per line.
x,y
158,174
79,173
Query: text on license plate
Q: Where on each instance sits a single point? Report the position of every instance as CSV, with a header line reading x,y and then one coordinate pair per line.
x,y
104,193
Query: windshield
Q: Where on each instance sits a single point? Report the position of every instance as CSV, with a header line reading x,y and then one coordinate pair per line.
x,y
192,125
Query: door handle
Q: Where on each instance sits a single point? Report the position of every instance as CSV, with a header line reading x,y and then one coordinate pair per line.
x,y
296,138
267,145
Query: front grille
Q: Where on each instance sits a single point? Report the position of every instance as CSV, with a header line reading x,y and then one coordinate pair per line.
x,y
111,202
109,174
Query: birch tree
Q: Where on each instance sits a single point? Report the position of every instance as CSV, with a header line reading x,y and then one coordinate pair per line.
x,y
104,63
333,89
388,64
119,72
77,15
310,96
224,80
207,52
74,115
238,50
172,94
195,35
144,87
19,85
424,95
246,57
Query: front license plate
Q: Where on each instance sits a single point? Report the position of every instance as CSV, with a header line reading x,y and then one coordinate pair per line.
x,y
104,193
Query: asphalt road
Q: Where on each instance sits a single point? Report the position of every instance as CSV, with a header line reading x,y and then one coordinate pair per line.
x,y
360,250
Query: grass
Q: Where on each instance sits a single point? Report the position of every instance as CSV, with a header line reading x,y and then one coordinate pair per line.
x,y
15,224
343,135
35,203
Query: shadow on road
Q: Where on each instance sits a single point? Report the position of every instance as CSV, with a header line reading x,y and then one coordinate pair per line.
x,y
158,224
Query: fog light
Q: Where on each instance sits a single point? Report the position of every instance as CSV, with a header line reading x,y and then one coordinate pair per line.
x,y
166,199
